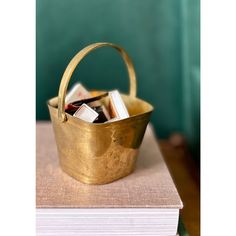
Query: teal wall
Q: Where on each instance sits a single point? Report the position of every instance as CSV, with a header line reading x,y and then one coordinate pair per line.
x,y
161,36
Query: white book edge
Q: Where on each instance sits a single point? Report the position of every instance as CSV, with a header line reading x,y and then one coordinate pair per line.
x,y
119,104
86,113
73,96
116,221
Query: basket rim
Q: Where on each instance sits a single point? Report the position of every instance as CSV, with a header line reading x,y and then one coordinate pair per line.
x,y
140,116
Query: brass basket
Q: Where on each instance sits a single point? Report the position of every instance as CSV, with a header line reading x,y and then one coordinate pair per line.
x,y
99,153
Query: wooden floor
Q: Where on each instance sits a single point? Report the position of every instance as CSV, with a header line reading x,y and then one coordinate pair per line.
x,y
186,174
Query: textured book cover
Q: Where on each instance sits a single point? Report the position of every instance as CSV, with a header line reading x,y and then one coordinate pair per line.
x,y
149,186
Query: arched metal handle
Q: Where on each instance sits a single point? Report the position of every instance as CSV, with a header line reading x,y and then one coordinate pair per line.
x,y
77,59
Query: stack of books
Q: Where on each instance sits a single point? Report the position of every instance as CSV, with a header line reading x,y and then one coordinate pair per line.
x,y
143,203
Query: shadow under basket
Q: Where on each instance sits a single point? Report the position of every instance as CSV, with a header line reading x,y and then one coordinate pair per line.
x,y
99,153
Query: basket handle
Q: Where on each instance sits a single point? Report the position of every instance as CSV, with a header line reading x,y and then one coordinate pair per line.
x,y
77,59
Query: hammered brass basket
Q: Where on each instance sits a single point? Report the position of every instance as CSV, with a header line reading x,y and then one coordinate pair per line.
x,y
99,153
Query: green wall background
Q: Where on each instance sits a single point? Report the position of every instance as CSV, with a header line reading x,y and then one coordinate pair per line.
x,y
161,36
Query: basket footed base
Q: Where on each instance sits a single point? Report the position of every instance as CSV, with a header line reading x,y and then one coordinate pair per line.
x,y
94,181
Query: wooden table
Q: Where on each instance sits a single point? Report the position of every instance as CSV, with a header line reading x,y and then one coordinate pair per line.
x,y
186,174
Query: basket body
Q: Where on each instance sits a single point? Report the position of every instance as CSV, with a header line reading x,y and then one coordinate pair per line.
x,y
100,153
